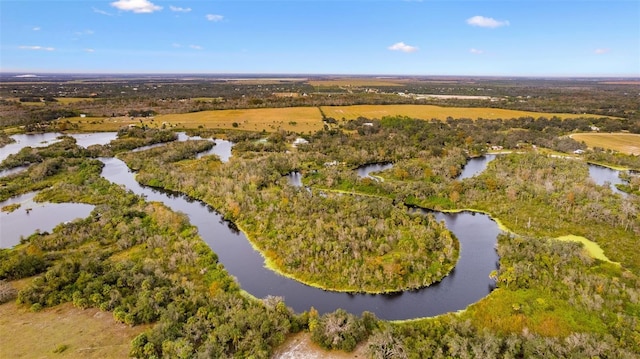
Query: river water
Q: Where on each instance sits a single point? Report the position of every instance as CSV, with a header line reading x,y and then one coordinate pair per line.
x,y
466,284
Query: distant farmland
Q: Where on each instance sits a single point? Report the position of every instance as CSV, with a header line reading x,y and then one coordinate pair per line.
x,y
628,143
299,119
428,112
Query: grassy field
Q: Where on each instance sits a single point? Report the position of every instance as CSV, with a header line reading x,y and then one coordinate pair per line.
x,y
297,119
63,331
428,112
628,143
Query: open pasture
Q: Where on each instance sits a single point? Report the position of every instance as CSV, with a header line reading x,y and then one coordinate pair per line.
x,y
428,112
296,119
63,331
628,143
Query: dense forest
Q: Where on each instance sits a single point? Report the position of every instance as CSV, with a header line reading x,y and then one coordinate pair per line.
x,y
338,231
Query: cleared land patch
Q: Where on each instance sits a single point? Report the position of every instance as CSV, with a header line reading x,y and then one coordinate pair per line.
x,y
628,143
300,346
63,331
428,112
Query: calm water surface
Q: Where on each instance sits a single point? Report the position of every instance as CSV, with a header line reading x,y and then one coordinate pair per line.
x,y
222,148
468,283
475,166
366,170
605,176
41,216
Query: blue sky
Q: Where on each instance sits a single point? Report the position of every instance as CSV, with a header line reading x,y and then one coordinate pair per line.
x,y
394,37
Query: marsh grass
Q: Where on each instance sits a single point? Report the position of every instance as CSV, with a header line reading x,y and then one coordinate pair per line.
x,y
591,247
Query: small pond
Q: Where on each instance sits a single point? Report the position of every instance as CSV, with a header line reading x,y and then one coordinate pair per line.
x,y
295,179
605,176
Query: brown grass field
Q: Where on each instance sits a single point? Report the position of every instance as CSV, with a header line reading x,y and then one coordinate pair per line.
x,y
428,112
63,332
296,119
628,143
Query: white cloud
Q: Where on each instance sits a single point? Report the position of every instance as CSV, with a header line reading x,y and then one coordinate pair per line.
x,y
89,50
85,32
401,46
196,47
482,21
37,28
214,17
476,51
601,51
101,12
136,6
37,48
179,9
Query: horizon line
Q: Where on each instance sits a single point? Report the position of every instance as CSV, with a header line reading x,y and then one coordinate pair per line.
x,y
34,74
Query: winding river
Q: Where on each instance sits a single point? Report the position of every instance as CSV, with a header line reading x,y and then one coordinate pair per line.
x,y
466,284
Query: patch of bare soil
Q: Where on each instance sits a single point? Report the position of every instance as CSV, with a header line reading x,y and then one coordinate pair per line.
x,y
300,346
